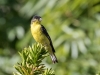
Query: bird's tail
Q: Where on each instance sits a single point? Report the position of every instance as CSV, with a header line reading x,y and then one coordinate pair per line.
x,y
54,58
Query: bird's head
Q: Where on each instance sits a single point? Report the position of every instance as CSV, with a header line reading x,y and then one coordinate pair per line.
x,y
36,19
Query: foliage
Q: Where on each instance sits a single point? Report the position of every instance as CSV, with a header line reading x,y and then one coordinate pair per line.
x,y
31,61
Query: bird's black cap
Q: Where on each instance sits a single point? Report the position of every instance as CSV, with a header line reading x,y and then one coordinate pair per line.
x,y
36,18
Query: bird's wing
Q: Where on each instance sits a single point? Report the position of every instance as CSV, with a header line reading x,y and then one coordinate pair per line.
x,y
47,35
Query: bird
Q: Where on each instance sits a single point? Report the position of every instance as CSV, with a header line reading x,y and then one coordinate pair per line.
x,y
41,36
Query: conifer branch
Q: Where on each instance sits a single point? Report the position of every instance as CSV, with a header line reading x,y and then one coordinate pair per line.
x,y
31,61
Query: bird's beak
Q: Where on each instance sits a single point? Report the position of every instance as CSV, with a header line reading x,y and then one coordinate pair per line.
x,y
40,19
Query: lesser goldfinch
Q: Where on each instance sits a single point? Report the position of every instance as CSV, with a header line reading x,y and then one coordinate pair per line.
x,y
41,35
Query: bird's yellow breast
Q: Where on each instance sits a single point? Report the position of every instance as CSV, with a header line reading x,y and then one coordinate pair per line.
x,y
38,35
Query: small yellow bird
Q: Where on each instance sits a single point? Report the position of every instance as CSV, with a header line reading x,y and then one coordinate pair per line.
x,y
41,36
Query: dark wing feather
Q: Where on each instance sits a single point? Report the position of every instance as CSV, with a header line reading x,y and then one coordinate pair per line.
x,y
47,35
